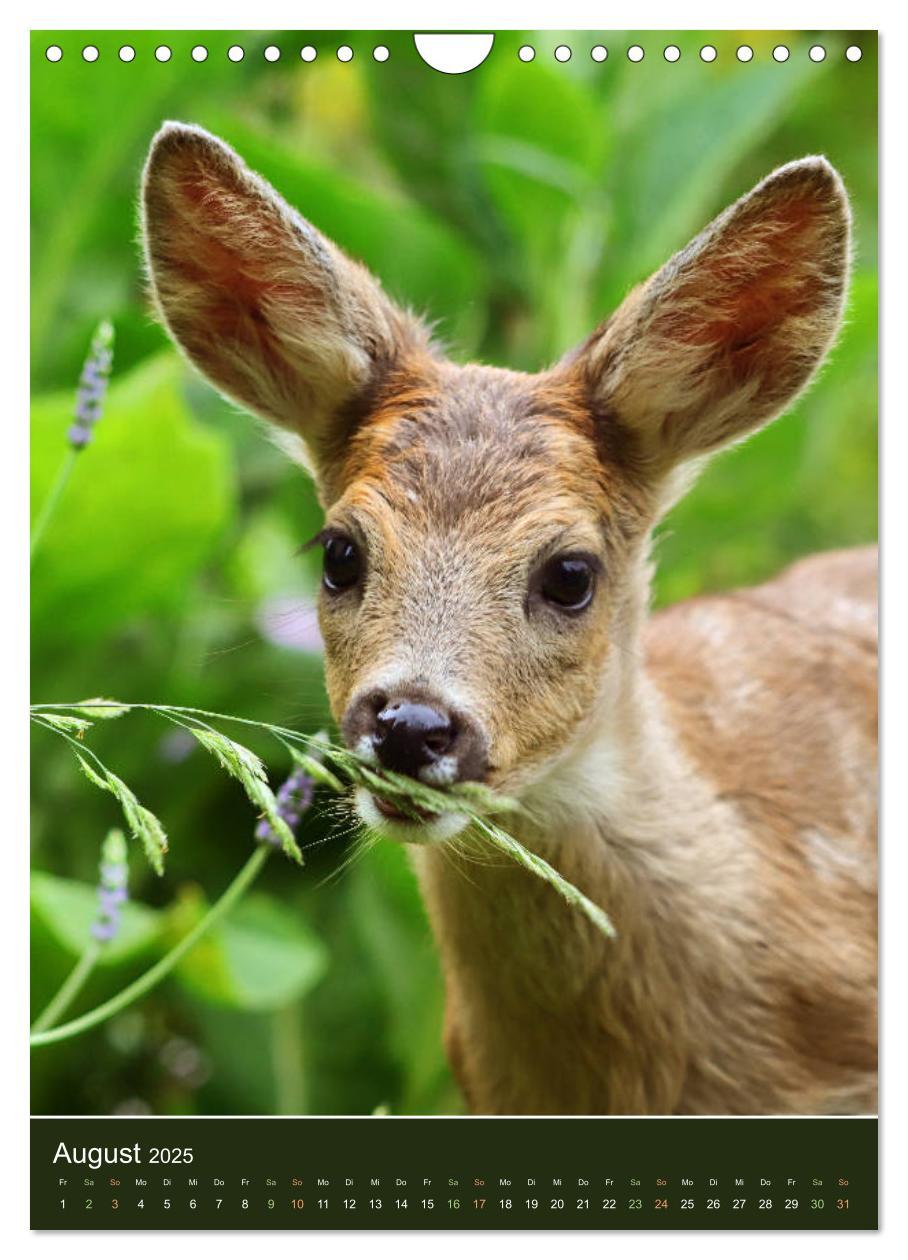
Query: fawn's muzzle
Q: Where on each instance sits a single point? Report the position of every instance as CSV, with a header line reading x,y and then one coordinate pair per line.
x,y
417,735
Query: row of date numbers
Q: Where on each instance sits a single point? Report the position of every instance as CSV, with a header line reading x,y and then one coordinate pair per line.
x,y
505,1205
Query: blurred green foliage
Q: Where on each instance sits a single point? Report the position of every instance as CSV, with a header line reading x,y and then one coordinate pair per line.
x,y
514,205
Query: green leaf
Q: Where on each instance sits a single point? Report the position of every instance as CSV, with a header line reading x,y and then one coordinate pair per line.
x,y
429,147
262,957
145,505
68,908
85,165
677,160
540,136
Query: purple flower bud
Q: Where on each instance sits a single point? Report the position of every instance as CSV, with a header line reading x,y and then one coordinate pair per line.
x,y
92,386
294,797
79,435
109,899
112,886
113,874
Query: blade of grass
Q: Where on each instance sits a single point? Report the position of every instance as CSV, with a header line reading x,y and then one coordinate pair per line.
x,y
533,862
475,801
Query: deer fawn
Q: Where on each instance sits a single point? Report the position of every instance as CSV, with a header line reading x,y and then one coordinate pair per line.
x,y
706,774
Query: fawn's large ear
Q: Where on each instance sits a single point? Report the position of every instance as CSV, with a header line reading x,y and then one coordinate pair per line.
x,y
269,310
719,340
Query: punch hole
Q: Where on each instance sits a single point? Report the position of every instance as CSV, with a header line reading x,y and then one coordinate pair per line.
x,y
780,53
635,53
745,53
345,53
526,53
708,53
272,53
53,53
308,53
236,52
562,53
599,52
380,52
89,53
672,53
162,53
853,53
199,53
127,53
817,53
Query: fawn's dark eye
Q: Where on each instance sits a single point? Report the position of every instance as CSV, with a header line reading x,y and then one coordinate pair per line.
x,y
342,566
567,582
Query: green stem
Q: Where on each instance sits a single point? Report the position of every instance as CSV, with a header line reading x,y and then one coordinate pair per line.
x,y
51,501
164,709
164,966
69,989
287,1061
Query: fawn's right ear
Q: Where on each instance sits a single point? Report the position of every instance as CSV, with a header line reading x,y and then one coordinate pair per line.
x,y
267,308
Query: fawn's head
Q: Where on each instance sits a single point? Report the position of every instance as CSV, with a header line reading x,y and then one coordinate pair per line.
x,y
486,531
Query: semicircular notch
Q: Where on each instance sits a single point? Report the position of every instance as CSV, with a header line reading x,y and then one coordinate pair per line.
x,y
454,54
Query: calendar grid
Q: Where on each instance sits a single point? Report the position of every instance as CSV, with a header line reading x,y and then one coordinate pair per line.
x,y
409,1173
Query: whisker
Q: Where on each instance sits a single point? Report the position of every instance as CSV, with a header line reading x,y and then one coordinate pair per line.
x,y
361,846
471,850
213,653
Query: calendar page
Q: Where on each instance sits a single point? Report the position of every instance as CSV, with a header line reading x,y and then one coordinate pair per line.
x,y
453,594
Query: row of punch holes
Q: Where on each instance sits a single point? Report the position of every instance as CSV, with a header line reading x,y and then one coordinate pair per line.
x,y
526,53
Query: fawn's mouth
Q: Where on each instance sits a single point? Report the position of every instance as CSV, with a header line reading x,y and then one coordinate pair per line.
x,y
416,826
413,814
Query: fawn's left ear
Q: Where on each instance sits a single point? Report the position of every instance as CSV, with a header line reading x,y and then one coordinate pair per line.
x,y
265,306
719,340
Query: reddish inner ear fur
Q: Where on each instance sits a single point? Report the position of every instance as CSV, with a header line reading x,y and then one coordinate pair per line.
x,y
726,334
748,311
232,290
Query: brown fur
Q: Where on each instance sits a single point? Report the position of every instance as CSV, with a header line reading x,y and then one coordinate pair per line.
x,y
707,776
739,870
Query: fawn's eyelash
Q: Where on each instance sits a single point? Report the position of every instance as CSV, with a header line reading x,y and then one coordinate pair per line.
x,y
320,539
312,542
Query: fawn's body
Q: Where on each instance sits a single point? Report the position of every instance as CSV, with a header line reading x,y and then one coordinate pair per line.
x,y
739,870
707,777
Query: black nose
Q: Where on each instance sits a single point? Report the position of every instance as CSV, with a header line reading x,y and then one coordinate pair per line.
x,y
409,735
412,730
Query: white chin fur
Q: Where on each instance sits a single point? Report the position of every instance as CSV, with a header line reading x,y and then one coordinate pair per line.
x,y
439,829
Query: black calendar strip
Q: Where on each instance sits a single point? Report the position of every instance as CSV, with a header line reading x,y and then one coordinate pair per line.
x,y
403,1173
